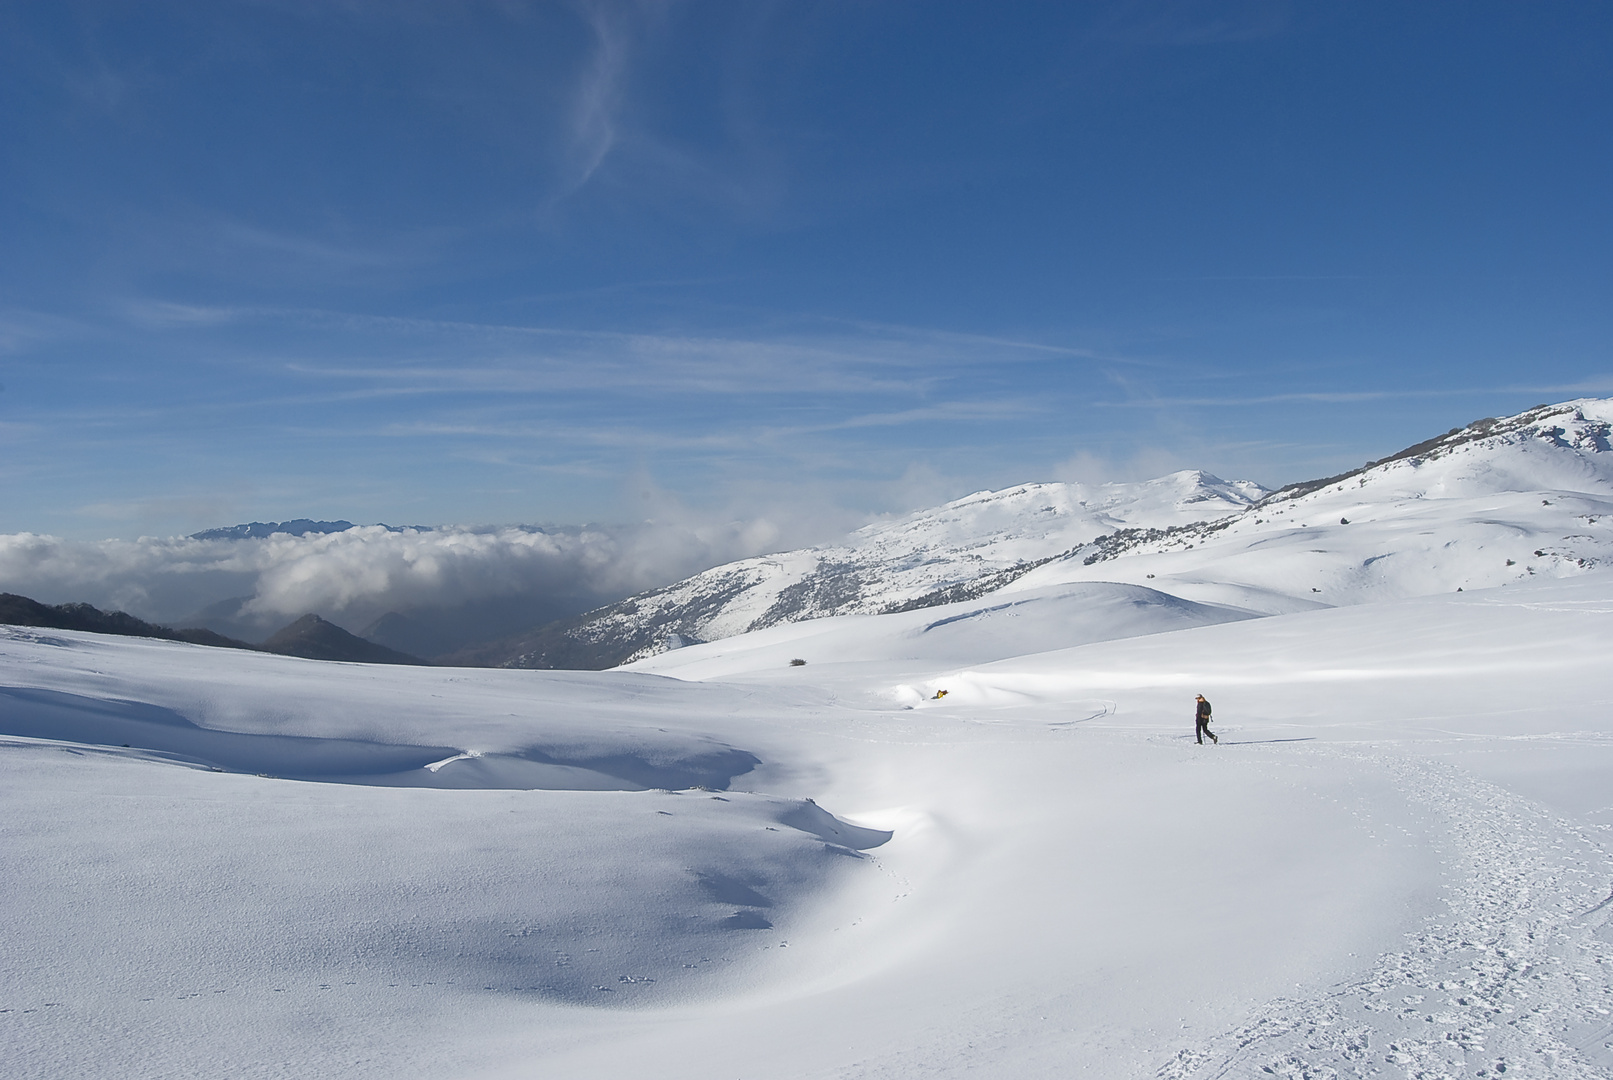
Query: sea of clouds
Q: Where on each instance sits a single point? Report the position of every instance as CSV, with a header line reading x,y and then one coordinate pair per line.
x,y
253,586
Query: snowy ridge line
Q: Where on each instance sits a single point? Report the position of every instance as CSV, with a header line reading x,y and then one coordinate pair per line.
x,y
525,596
1580,433
1593,435
957,552
1517,980
1485,485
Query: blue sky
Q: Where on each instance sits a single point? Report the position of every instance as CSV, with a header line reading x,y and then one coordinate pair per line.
x,y
562,262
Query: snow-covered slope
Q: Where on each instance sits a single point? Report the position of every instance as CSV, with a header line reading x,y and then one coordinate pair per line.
x,y
964,549
982,538
1393,864
1495,503
967,632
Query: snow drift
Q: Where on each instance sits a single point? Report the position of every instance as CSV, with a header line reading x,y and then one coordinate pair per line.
x,y
1395,862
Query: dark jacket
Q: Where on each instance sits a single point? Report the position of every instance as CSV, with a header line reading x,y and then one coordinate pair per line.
x,y
1204,710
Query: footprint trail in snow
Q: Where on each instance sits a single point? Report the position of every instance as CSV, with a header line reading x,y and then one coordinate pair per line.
x,y
1516,980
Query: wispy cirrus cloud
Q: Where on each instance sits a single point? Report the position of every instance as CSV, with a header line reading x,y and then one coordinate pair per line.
x,y
163,314
23,330
735,438
517,358
941,412
1009,346
598,94
796,338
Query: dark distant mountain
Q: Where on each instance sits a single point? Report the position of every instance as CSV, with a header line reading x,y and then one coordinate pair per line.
x,y
566,644
21,611
315,639
438,630
309,637
256,529
231,618
403,632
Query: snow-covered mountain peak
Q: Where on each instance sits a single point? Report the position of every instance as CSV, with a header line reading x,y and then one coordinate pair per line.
x,y
963,549
1481,504
1496,502
1550,447
1060,514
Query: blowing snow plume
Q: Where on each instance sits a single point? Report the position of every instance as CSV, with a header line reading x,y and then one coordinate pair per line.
x,y
421,590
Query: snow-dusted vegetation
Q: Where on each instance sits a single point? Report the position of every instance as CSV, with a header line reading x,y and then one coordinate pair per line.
x,y
968,837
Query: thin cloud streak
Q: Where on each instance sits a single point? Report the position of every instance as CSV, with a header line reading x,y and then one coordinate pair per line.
x,y
598,97
739,438
913,344
605,436
1019,344
944,411
302,248
784,374
881,360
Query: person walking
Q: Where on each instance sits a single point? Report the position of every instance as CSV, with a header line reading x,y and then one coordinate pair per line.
x,y
1201,722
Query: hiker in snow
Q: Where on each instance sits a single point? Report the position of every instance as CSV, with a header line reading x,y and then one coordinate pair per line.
x,y
1201,722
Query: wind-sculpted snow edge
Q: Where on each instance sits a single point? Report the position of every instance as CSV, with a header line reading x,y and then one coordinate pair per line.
x,y
51,714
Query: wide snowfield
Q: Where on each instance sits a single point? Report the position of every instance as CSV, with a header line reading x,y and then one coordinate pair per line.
x,y
1395,863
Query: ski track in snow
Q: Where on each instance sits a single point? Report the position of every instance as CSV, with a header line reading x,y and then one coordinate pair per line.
x,y
1515,981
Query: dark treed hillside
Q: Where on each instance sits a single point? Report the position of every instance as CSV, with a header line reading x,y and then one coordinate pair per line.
x,y
310,637
21,611
315,639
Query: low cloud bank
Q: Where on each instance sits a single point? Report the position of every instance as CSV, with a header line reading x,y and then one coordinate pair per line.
x,y
491,580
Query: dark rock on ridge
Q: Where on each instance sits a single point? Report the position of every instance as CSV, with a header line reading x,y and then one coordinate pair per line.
x,y
259,529
314,638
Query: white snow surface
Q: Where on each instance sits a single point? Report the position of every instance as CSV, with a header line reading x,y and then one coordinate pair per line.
x,y
1533,499
890,563
1395,863
1499,501
993,627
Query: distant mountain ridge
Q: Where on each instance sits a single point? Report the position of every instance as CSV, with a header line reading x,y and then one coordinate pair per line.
x,y
256,530
1561,427
316,639
1494,502
966,548
309,637
1461,510
18,610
